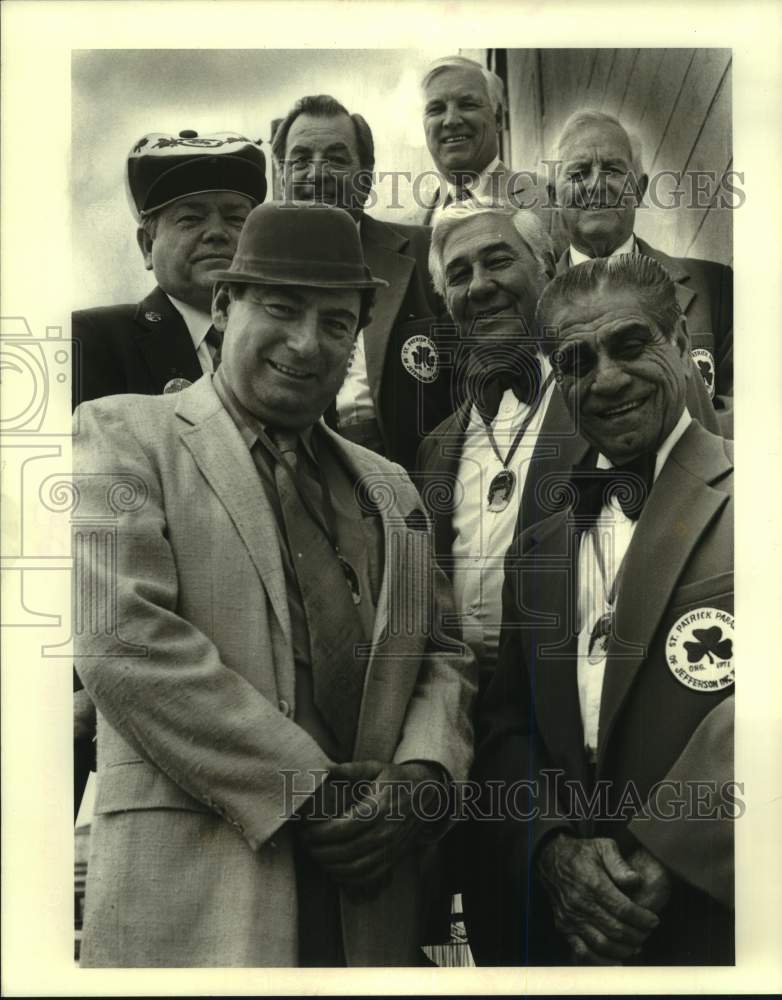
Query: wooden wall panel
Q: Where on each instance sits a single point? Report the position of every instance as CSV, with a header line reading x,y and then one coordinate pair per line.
x,y
677,101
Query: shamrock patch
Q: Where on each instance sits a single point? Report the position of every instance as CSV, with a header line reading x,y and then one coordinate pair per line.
x,y
420,358
699,650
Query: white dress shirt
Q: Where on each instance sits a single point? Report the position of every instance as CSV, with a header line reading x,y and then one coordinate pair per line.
x,y
354,401
482,191
629,246
197,324
482,537
612,534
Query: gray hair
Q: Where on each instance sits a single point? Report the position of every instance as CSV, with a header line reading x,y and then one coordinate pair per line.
x,y
494,85
528,226
655,288
148,224
589,116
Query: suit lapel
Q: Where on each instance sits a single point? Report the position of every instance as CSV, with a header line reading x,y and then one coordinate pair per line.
x,y
548,581
397,642
164,341
680,507
212,438
557,450
678,273
383,253
442,473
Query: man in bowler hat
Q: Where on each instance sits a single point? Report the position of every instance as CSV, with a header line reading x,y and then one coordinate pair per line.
x,y
281,702
190,196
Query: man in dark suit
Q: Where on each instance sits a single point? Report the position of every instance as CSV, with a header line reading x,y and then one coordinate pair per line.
x,y
491,265
191,196
396,389
611,709
599,184
464,107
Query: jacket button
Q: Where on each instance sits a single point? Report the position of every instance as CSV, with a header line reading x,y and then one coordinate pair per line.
x,y
284,707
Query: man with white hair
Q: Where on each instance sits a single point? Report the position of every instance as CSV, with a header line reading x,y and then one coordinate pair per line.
x,y
483,470
464,106
598,185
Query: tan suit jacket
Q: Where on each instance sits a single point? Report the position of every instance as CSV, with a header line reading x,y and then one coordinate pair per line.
x,y
187,655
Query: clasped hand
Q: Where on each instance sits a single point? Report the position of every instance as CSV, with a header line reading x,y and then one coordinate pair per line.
x,y
605,906
357,837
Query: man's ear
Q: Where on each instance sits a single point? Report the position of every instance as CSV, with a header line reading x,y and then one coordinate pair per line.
x,y
221,303
499,117
681,338
144,241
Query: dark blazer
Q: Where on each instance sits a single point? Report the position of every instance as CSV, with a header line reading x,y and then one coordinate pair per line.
x,y
652,726
131,348
704,290
559,447
406,405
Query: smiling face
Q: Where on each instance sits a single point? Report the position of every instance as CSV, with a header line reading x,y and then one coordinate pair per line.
x,y
623,381
492,280
195,237
596,188
460,123
286,348
322,161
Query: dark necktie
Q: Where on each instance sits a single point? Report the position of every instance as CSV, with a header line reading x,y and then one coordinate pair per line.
x,y
334,626
214,341
629,484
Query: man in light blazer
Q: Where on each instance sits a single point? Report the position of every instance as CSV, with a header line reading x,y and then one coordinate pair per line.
x,y
396,389
278,643
598,185
612,703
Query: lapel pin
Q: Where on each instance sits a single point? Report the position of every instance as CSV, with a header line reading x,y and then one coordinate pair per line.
x,y
176,385
152,317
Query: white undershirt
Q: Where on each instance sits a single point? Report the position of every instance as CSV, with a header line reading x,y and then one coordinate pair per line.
x,y
197,324
354,401
482,537
615,532
480,192
629,246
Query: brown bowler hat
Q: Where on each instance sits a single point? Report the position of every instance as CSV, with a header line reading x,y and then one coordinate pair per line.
x,y
300,243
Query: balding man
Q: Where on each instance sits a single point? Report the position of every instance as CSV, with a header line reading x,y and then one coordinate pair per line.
x,y
599,184
611,709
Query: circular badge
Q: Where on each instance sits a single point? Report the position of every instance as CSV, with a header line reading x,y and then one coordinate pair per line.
x,y
152,317
704,362
176,385
419,356
699,650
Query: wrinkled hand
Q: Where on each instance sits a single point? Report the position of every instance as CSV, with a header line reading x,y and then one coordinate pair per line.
x,y
359,848
654,891
589,885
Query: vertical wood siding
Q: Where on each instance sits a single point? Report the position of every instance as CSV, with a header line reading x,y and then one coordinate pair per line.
x,y
678,103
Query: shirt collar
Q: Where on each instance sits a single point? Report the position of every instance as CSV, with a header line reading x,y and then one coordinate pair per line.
x,y
481,188
248,425
629,246
197,322
665,448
